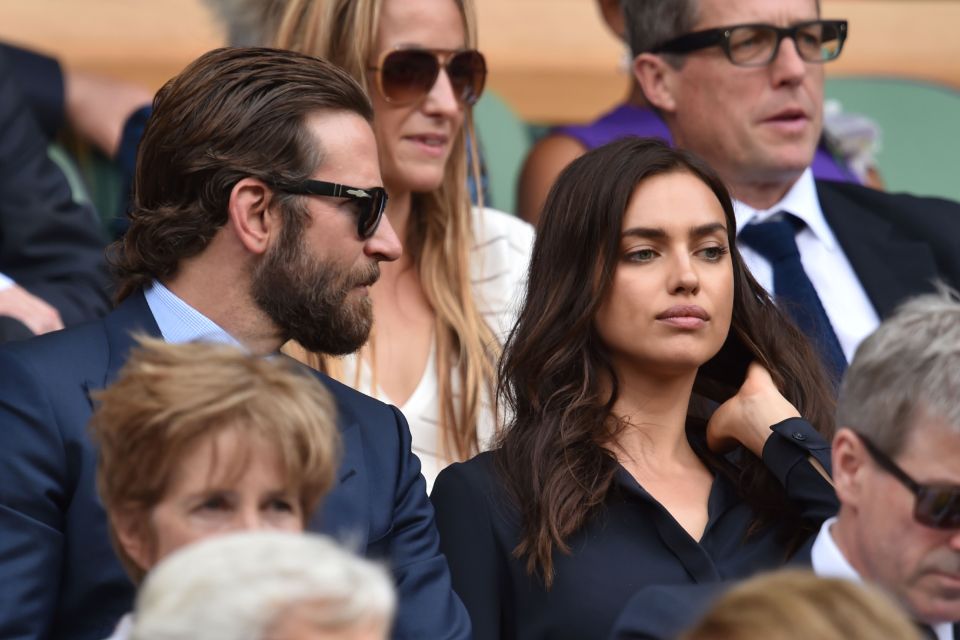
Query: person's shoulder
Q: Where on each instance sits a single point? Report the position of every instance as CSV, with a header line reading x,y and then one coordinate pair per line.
x,y
60,354
350,400
885,200
493,229
476,476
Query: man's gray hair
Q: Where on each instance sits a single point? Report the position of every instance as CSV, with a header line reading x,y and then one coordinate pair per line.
x,y
906,370
652,22
240,587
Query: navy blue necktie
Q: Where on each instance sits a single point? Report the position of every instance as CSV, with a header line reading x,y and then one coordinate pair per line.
x,y
776,241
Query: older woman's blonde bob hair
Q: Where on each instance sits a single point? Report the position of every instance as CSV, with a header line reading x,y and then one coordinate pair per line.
x,y
797,605
169,397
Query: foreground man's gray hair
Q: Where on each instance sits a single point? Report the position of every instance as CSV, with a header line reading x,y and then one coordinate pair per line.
x,y
245,586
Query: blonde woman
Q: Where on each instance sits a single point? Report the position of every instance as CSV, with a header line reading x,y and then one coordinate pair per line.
x,y
442,310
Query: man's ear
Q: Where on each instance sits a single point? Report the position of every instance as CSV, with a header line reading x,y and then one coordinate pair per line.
x,y
657,78
251,216
850,463
133,534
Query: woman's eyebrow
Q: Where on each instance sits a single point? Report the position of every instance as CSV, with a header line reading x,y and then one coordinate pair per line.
x,y
658,233
653,233
707,229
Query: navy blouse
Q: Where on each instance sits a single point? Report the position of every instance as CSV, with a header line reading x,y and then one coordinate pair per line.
x,y
634,542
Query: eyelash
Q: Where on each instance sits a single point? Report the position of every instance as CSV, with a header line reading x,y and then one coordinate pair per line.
x,y
721,251
634,256
281,505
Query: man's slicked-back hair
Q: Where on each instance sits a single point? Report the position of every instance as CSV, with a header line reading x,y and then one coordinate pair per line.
x,y
905,371
650,23
231,114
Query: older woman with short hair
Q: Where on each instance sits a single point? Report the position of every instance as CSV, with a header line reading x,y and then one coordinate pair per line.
x,y
196,440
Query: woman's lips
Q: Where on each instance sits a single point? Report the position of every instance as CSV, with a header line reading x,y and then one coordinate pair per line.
x,y
433,145
684,317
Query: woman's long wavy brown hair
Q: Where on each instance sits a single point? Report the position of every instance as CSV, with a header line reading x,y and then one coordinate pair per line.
x,y
440,234
556,377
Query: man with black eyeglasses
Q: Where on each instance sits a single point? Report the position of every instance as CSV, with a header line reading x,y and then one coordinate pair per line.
x,y
895,467
258,218
741,84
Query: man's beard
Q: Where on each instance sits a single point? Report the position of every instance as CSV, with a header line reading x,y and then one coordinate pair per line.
x,y
307,298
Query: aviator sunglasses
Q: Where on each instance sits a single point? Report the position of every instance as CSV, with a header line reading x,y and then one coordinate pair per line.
x,y
936,506
370,203
406,75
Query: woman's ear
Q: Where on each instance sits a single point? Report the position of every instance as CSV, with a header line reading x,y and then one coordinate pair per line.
x,y
657,79
133,534
250,215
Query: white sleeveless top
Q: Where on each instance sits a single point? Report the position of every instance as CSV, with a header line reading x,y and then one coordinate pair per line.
x,y
498,271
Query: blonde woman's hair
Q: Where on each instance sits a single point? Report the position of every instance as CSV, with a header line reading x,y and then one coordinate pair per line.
x,y
243,586
170,396
797,605
440,234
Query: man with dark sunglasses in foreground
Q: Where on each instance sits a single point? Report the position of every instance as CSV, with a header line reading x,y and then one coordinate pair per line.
x,y
741,83
895,467
257,219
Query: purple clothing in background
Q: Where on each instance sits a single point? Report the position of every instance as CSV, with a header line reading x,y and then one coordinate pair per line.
x,y
628,120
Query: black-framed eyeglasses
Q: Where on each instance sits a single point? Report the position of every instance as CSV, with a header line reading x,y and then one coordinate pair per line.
x,y
371,202
756,45
936,506
407,74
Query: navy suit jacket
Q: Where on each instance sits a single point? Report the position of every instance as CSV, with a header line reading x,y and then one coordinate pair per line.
x,y
60,577
663,612
897,244
50,245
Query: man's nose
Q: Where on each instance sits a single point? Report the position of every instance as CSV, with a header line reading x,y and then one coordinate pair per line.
x,y
384,245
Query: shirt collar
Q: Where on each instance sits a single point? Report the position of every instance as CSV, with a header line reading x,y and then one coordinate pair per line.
x,y
179,322
829,562
801,201
827,559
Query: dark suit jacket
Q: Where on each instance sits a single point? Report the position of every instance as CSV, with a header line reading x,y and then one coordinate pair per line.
x,y
49,244
662,612
896,243
59,575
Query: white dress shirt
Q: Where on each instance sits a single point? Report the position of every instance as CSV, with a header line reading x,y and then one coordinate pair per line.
x,y
5,282
845,302
829,562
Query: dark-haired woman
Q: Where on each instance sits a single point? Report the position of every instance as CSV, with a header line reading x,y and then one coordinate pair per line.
x,y
615,472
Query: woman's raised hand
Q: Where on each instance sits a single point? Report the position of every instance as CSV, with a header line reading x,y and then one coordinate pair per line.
x,y
746,418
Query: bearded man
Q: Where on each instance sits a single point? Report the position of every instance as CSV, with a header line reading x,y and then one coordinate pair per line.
x,y
258,218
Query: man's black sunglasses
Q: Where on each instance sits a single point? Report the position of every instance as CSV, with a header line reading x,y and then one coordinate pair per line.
x,y
370,202
756,45
936,506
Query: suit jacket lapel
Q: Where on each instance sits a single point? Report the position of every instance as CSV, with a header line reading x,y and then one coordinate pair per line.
x,y
343,512
131,317
890,268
